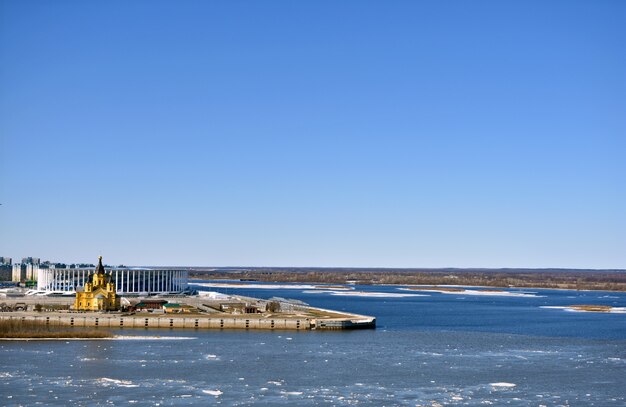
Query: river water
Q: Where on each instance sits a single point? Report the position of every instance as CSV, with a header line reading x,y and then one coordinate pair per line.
x,y
428,349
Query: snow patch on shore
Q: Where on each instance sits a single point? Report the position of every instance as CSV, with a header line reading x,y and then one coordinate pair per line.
x,y
613,310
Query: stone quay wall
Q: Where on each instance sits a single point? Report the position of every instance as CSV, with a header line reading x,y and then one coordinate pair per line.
x,y
192,322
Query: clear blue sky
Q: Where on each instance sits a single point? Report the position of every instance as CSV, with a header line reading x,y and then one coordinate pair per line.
x,y
326,133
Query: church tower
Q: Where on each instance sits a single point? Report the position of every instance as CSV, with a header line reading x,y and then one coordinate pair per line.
x,y
98,294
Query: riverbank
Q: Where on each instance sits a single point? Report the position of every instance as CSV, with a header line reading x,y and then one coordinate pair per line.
x,y
207,310
316,319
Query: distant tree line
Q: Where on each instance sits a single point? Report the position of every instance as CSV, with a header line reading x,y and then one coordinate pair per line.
x,y
549,278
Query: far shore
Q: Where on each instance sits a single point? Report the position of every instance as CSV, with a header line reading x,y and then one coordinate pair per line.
x,y
588,280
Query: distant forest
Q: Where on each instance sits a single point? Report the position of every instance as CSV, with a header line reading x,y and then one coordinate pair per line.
x,y
609,280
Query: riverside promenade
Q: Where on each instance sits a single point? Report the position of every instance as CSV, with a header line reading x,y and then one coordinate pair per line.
x,y
208,316
198,321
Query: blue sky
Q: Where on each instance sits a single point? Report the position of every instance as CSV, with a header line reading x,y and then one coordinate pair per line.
x,y
330,133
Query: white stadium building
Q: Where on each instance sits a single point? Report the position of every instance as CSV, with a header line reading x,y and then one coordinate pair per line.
x,y
128,280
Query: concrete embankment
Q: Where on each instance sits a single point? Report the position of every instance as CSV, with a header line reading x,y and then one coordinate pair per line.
x,y
106,320
223,312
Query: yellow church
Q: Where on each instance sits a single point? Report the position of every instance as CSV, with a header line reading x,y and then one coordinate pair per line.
x,y
98,294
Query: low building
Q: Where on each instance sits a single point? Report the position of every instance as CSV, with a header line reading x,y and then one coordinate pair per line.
x,y
148,305
179,309
239,308
98,294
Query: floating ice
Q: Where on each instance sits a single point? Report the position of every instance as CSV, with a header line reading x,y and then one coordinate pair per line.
x,y
259,286
275,383
149,338
503,384
494,293
364,294
105,381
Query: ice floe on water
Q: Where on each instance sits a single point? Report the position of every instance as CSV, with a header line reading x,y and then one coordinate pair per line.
x,y
291,393
615,359
315,287
149,338
370,294
260,286
503,385
461,291
275,383
105,381
215,393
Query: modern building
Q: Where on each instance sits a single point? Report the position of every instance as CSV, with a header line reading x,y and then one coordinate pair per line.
x,y
31,260
128,280
6,269
98,294
25,271
6,272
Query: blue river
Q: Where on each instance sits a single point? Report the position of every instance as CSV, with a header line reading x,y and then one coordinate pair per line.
x,y
429,349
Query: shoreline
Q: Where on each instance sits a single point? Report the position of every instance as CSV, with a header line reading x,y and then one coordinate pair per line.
x,y
300,318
